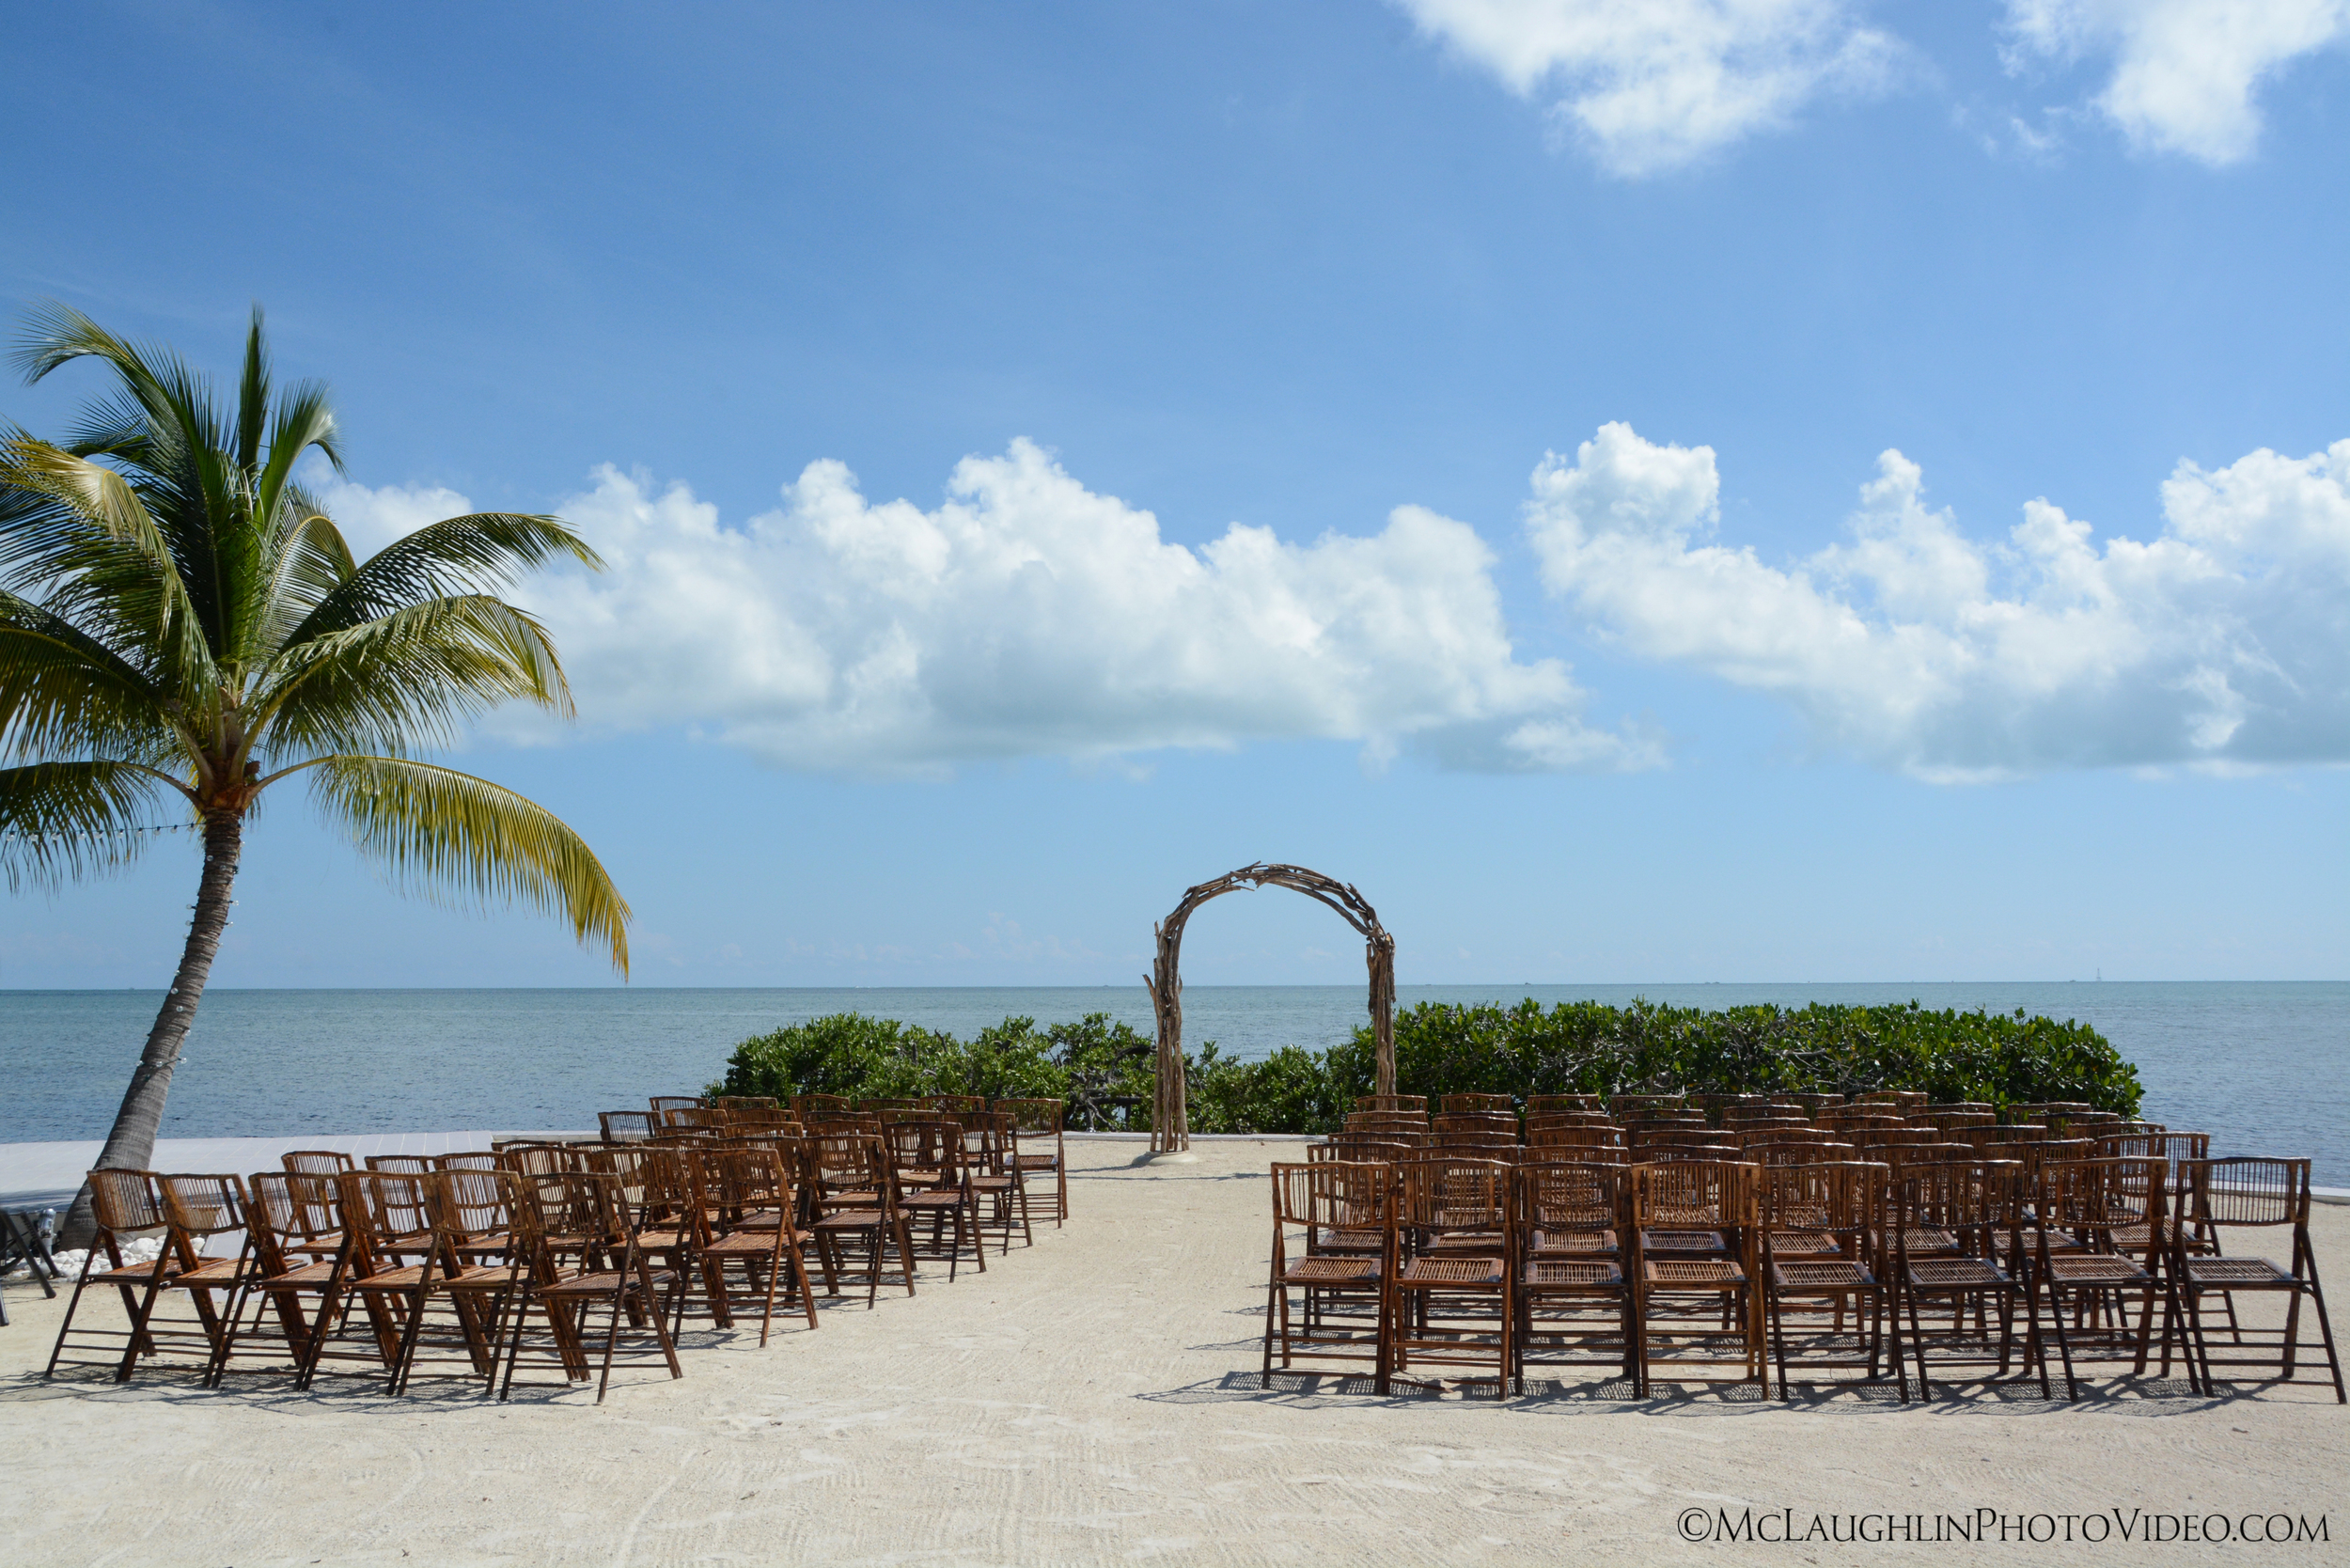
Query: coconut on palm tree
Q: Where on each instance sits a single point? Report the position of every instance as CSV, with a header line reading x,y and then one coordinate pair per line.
x,y
183,629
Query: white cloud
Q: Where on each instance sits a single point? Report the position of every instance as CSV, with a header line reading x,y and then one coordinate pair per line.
x,y
2223,642
1651,84
2184,71
1028,616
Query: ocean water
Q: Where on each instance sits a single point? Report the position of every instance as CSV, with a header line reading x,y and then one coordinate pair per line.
x,y
2265,1068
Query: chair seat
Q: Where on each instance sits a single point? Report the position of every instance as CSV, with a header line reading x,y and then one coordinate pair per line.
x,y
1468,1242
213,1273
1594,1274
1693,1273
1955,1272
1453,1271
935,1198
604,1282
1038,1162
303,1278
1350,1241
1554,1243
494,1277
2091,1268
2235,1271
1805,1243
1683,1241
852,1219
1822,1277
746,1243
1929,1239
135,1274
1324,1269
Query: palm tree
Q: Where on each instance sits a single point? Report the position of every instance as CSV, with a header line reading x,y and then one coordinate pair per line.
x,y
179,617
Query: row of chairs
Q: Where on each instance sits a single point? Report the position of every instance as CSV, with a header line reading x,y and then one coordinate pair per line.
x,y
1685,1270
529,1256
1554,1119
1036,1120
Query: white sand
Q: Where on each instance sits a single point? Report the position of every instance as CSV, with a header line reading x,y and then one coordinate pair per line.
x,y
1095,1400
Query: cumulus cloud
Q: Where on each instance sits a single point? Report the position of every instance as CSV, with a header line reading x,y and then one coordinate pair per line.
x,y
2185,72
1028,616
1651,84
2224,642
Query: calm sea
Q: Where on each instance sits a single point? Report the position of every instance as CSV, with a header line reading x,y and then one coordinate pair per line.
x,y
2266,1068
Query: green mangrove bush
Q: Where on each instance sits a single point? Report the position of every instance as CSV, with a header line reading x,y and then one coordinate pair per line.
x,y
1103,1069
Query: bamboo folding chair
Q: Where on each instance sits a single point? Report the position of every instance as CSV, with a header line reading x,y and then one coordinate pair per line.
x,y
396,1217
878,1106
1475,1121
1693,1224
664,1103
998,1181
958,1104
1950,1224
316,1162
1573,1297
1418,1103
1361,1146
2079,1211
2249,1193
1501,1105
752,1203
1778,1151
298,1240
1038,1124
624,1126
614,1273
808,1107
1810,1103
202,1210
1447,1279
1584,1143
857,1198
1820,1225
125,1205
1538,1104
1630,1107
1323,1304
403,1165
934,1180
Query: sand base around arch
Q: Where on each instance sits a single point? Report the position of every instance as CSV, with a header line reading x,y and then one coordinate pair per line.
x,y
1094,1399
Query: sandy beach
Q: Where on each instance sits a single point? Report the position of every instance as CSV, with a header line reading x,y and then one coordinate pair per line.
x,y
1094,1399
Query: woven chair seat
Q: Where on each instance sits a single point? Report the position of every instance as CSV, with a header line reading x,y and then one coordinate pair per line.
x,y
934,1198
852,1219
1694,1273
1453,1271
1585,1274
295,1279
490,1276
1683,1241
1037,1162
2133,1238
744,1244
1955,1272
1453,1242
2235,1271
1805,1243
2091,1268
136,1273
1821,1277
1326,1270
1929,1238
1353,1241
604,1282
212,1271
1551,1241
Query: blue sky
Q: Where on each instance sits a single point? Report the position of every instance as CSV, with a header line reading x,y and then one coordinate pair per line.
x,y
1766,489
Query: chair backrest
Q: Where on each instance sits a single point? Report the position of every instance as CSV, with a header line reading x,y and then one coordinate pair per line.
x,y
1360,1151
201,1207
1416,1102
1036,1116
538,1159
315,1162
474,1202
125,1202
1452,1194
1958,1195
1701,1193
959,1104
1590,1136
742,1102
2095,1195
1571,1195
1885,1138
1497,1104
1628,1108
877,1105
1477,1121
286,1213
1769,1110
1668,1137
410,1165
1537,1105
664,1103
1569,1119
1799,1154
694,1116
1753,1137
467,1159
737,1179
850,1161
1809,1102
1824,1195
1332,1194
810,1106
385,1207
1900,1155
2246,1190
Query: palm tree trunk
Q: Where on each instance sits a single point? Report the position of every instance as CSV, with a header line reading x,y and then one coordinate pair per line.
x,y
132,1143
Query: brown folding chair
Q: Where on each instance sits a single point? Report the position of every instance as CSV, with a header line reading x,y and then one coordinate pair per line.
x,y
2249,1192
126,1205
1325,1304
1693,1224
857,1200
752,1204
1573,1295
1820,1224
1952,1224
2080,1209
1449,1299
1039,1123
614,1274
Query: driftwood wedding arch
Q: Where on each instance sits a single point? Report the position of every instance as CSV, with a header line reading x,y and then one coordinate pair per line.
x,y
1170,1126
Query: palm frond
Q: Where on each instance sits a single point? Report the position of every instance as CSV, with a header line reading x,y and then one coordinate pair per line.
x,y
410,678
62,692
477,553
436,829
311,559
63,820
